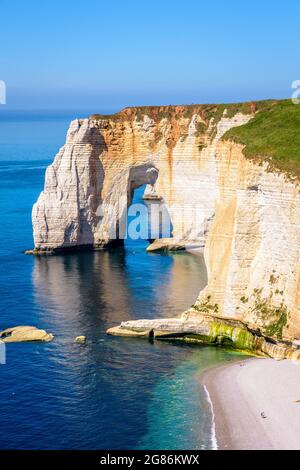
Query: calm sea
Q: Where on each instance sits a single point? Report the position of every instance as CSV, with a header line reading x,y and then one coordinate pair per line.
x,y
111,393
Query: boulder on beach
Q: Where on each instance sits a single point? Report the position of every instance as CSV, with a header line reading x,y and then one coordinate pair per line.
x,y
20,334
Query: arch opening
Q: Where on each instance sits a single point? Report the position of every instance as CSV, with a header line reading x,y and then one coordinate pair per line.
x,y
147,216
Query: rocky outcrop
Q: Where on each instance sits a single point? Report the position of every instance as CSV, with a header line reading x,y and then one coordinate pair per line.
x,y
19,334
80,339
246,217
211,330
167,244
150,194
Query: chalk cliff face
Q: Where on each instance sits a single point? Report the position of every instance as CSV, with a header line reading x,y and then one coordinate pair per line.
x,y
246,218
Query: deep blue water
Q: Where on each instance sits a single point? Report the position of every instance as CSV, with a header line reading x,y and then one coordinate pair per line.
x,y
112,393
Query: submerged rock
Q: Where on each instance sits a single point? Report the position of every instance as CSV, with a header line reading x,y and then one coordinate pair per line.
x,y
19,334
39,252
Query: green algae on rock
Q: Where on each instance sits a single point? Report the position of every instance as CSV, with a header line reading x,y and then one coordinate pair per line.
x,y
208,330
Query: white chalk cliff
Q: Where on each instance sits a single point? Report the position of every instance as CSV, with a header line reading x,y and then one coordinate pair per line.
x,y
246,217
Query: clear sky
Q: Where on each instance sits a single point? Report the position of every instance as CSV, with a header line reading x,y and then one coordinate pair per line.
x,y
110,54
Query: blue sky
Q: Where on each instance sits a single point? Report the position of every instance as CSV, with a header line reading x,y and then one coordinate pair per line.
x,y
106,55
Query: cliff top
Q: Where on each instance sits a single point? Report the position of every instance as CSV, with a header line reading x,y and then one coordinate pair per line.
x,y
206,111
272,135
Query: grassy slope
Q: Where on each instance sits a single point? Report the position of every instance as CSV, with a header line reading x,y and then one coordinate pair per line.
x,y
273,133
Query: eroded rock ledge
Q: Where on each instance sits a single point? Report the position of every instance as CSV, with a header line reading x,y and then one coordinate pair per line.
x,y
204,329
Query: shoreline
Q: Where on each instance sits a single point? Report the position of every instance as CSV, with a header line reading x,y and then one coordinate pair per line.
x,y
213,436
255,404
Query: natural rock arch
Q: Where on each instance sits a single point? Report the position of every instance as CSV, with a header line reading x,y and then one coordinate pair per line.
x,y
246,232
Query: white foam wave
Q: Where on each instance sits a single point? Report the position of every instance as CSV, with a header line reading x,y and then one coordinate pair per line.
x,y
213,426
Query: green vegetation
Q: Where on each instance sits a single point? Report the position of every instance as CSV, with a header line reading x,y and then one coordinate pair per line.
x,y
275,329
206,306
221,333
272,135
273,279
239,338
274,317
201,128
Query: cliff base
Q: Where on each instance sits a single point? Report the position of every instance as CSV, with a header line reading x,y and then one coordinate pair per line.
x,y
210,330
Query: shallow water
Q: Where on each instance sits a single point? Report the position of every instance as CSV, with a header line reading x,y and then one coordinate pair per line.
x,y
112,393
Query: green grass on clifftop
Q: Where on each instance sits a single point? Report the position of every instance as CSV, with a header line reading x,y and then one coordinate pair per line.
x,y
273,135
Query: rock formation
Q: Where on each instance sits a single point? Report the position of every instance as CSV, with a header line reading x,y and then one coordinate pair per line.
x,y
245,216
80,339
20,334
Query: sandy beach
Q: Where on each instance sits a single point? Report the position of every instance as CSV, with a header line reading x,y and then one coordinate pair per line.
x,y
256,404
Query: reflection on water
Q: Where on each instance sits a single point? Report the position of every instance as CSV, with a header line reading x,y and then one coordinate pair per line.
x,y
105,382
112,393
116,286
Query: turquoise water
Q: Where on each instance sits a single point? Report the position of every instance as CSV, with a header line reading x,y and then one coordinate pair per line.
x,y
112,393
